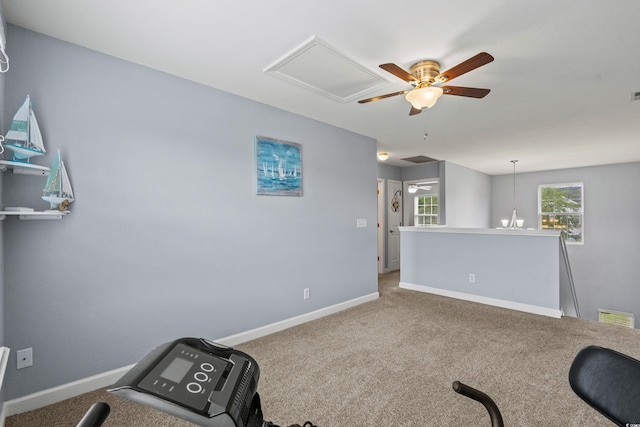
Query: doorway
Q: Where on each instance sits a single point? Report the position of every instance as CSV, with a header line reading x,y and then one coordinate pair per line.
x,y
394,221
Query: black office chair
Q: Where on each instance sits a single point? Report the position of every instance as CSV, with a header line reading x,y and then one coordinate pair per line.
x,y
609,382
605,379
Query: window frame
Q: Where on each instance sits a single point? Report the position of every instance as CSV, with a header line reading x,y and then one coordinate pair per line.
x,y
416,206
580,213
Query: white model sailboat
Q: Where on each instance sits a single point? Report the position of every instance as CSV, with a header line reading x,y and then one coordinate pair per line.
x,y
24,137
58,191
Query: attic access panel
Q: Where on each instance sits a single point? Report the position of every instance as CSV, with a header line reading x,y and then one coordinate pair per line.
x,y
420,159
321,68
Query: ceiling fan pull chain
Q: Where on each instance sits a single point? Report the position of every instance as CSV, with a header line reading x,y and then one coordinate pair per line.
x,y
424,137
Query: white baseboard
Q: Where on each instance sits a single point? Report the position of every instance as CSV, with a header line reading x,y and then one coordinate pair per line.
x,y
85,385
294,321
62,392
527,308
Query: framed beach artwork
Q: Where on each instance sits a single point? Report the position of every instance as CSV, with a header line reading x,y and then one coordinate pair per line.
x,y
278,167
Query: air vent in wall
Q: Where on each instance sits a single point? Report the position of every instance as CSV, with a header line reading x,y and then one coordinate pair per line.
x,y
619,318
420,159
635,97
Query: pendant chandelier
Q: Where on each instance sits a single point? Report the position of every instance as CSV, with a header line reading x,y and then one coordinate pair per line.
x,y
515,222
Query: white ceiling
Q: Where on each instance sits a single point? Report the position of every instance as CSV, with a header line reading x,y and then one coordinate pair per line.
x,y
561,83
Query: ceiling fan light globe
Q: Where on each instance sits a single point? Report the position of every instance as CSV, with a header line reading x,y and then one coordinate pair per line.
x,y
424,97
383,156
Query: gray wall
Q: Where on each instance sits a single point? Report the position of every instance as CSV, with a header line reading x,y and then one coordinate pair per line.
x,y
423,171
166,237
606,268
389,172
460,254
468,197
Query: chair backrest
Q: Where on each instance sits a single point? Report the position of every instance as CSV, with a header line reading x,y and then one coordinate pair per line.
x,y
608,381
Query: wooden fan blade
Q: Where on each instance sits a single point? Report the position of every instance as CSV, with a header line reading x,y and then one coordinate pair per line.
x,y
470,92
414,111
376,98
483,58
398,72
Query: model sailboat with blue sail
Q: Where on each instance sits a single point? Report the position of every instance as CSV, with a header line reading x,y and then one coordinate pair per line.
x,y
24,137
58,191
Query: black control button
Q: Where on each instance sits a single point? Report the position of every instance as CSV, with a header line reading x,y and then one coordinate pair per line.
x,y
194,388
201,376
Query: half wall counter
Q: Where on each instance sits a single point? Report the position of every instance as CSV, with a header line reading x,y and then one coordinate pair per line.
x,y
526,270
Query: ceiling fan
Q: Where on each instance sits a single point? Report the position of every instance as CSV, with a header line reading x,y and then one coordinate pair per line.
x,y
424,74
413,188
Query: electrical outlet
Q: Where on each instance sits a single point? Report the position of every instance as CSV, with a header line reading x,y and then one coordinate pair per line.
x,y
472,278
25,358
306,293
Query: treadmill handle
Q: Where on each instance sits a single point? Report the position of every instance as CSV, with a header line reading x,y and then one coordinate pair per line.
x,y
494,412
95,416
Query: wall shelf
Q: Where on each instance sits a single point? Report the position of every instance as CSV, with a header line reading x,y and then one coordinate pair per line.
x,y
27,213
31,215
24,168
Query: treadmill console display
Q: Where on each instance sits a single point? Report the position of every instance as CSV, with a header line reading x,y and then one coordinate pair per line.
x,y
194,379
187,376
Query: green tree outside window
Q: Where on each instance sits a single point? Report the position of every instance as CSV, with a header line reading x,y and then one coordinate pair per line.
x,y
425,210
561,208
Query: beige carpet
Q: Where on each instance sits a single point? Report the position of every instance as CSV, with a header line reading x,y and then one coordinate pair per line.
x,y
391,362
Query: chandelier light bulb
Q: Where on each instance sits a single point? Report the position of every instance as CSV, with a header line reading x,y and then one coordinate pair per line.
x,y
424,97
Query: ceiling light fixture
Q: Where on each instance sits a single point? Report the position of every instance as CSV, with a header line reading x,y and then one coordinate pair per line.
x,y
383,156
424,97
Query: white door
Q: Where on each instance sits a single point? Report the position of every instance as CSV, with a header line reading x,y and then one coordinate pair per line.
x,y
394,218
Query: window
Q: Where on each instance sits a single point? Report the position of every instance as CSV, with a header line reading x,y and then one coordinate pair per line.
x,y
425,210
560,207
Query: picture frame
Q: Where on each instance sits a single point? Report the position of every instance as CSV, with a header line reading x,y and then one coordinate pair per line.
x,y
278,167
